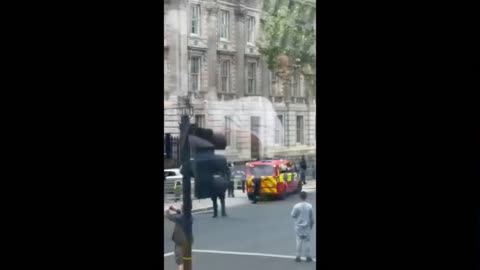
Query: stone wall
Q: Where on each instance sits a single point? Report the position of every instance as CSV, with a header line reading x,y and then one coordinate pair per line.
x,y
171,116
177,78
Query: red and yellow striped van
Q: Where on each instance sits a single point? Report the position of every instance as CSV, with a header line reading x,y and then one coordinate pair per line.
x,y
278,178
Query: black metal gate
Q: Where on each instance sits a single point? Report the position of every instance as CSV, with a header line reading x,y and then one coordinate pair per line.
x,y
172,151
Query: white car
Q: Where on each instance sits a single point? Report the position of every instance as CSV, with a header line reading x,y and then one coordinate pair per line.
x,y
173,181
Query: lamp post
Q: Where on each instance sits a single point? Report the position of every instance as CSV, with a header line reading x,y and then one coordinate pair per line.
x,y
187,112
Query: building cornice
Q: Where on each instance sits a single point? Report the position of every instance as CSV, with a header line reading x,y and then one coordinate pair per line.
x,y
197,48
226,52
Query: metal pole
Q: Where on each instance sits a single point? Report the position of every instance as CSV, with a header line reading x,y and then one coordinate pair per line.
x,y
187,200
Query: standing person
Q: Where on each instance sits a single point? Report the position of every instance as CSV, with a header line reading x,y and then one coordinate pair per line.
x,y
231,189
243,180
257,183
303,169
230,181
302,213
220,185
240,175
256,188
179,237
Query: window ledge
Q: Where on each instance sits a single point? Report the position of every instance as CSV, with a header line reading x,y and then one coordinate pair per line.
x,y
277,99
254,95
298,100
226,96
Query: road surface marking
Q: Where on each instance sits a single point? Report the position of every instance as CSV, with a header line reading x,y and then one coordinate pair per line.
x,y
239,253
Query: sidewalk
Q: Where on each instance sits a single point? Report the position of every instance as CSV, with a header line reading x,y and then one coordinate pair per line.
x,y
311,184
239,199
206,204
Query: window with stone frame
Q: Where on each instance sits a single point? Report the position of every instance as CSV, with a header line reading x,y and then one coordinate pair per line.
x,y
274,84
224,25
296,86
229,136
300,129
200,120
196,19
238,138
225,76
195,67
278,130
251,77
250,30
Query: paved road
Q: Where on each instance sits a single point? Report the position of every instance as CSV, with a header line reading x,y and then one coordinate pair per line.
x,y
265,228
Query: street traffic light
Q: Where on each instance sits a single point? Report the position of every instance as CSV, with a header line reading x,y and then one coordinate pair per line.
x,y
205,164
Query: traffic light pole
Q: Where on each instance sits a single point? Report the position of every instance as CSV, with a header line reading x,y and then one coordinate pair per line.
x,y
187,199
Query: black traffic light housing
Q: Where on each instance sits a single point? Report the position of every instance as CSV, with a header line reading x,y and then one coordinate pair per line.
x,y
205,164
203,139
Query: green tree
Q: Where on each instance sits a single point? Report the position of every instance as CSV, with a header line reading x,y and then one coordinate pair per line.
x,y
288,37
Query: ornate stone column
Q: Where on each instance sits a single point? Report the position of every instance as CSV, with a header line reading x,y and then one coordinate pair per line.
x,y
181,49
212,23
240,12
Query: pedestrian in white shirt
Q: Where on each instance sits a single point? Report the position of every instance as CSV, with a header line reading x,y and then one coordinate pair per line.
x,y
302,213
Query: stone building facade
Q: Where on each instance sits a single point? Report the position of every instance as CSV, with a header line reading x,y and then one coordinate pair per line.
x,y
210,51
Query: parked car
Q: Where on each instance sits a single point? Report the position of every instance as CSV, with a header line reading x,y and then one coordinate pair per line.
x,y
172,178
173,181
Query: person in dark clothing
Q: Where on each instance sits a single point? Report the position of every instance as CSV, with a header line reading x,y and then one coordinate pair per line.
x,y
242,180
303,169
179,237
231,189
256,188
220,186
257,182
230,183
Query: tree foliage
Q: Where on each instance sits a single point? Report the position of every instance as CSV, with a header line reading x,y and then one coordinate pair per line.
x,y
288,31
